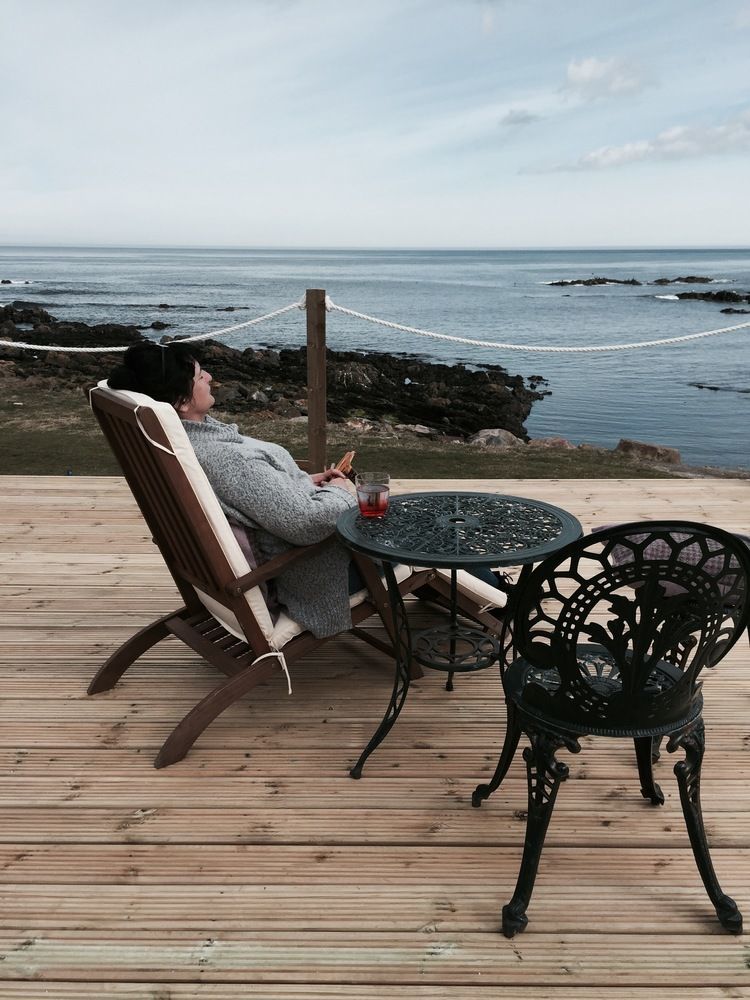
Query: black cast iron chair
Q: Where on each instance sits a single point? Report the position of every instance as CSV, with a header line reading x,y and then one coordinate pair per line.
x,y
623,554
614,648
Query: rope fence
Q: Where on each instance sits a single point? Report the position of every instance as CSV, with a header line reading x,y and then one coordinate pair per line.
x,y
538,349
332,306
182,340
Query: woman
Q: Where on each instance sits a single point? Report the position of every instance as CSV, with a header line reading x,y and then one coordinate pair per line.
x,y
258,485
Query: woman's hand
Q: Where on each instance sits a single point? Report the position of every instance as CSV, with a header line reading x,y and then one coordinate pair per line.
x,y
325,478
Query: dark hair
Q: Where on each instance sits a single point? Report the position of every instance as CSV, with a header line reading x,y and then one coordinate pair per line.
x,y
164,372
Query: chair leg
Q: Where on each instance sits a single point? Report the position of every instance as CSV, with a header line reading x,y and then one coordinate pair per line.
x,y
688,773
544,774
643,754
110,672
656,748
209,708
512,736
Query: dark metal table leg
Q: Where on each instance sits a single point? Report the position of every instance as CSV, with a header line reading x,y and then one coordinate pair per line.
x,y
453,625
402,651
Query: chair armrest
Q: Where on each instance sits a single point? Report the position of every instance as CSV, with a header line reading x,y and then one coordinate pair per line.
x,y
274,566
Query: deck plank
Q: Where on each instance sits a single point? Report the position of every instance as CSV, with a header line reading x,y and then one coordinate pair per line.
x,y
257,868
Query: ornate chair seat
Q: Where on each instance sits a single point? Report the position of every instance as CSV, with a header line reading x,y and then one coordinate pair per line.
x,y
594,703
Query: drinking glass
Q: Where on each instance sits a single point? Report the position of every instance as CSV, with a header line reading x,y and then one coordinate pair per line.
x,y
372,493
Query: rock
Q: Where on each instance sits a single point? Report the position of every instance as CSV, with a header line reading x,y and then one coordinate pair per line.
x,y
225,309
358,425
652,452
496,437
419,429
226,395
596,281
354,374
27,312
551,442
260,397
163,305
6,281
158,325
284,408
693,279
688,279
725,295
735,312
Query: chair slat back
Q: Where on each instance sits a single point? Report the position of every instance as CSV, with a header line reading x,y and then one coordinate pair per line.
x,y
179,507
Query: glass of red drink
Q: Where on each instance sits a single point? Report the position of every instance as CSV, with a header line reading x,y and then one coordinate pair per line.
x,y
372,493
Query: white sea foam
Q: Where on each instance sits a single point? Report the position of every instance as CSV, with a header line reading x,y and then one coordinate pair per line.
x,y
670,298
13,281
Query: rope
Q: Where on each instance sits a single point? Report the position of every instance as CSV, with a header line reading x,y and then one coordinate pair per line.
x,y
185,340
333,307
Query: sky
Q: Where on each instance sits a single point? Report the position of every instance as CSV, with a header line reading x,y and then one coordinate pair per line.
x,y
400,123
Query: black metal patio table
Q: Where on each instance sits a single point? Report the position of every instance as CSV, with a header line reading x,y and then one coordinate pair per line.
x,y
451,530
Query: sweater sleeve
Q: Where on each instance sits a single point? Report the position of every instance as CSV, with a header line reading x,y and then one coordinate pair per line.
x,y
295,511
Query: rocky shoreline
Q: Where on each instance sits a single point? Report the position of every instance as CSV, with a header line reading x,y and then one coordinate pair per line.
x,y
371,396
447,401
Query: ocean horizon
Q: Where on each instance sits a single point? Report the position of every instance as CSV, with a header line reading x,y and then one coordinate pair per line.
x,y
498,294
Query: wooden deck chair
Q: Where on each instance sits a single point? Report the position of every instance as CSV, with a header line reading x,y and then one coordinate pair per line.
x,y
225,617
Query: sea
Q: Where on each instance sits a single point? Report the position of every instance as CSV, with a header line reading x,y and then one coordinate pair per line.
x,y
648,394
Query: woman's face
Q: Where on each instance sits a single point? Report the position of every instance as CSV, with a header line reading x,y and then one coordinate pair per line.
x,y
202,398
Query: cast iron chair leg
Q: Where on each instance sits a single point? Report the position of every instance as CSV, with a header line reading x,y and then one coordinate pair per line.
x,y
544,774
512,736
643,754
656,748
688,773
110,672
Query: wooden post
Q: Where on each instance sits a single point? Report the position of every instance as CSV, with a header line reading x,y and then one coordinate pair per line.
x,y
315,302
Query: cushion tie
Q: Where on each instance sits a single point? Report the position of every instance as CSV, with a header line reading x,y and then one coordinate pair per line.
x,y
150,439
282,660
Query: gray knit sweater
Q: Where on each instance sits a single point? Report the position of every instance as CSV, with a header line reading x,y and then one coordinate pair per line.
x,y
260,485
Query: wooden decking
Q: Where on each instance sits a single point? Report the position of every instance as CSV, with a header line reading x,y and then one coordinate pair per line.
x,y
258,868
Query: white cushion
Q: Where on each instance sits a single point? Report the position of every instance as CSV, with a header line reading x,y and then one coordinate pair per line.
x,y
479,591
401,572
285,628
183,451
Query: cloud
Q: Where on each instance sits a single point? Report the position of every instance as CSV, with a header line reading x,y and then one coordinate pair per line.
x,y
519,116
742,17
488,19
592,78
681,142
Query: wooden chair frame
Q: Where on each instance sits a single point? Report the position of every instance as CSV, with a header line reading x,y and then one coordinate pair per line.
x,y
195,559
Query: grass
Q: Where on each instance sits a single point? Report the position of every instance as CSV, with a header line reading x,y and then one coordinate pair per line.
x,y
54,433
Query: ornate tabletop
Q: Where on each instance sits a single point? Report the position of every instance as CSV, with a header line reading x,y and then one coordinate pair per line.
x,y
460,529
451,531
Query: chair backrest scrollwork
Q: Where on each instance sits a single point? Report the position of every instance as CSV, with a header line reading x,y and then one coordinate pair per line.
x,y
608,611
